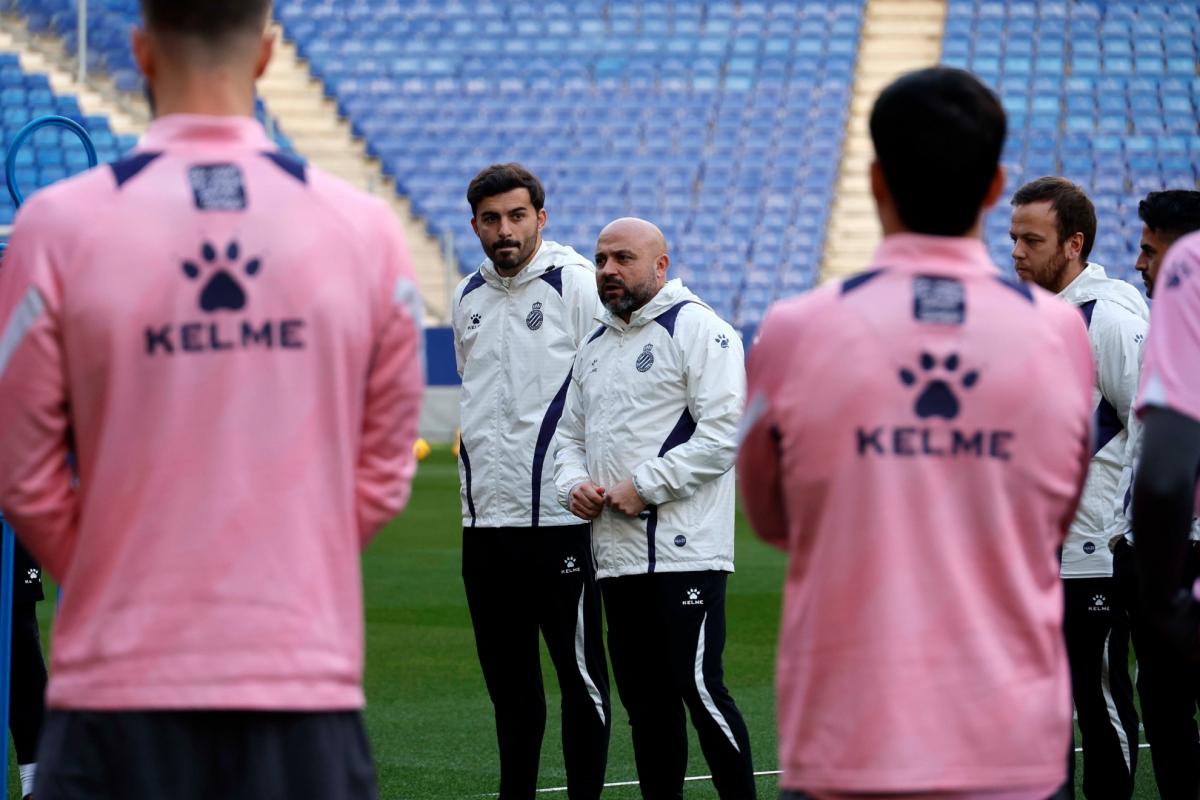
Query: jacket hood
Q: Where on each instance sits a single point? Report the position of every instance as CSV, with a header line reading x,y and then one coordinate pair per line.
x,y
549,255
1094,284
672,293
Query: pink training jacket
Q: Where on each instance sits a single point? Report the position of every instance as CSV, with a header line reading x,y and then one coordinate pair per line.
x,y
917,438
229,340
1171,369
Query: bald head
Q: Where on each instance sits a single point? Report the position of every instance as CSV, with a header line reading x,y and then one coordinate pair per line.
x,y
631,264
642,231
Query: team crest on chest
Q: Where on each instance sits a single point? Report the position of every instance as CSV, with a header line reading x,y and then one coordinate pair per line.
x,y
535,318
646,360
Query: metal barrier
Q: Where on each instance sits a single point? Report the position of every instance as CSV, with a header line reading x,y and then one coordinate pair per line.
x,y
8,540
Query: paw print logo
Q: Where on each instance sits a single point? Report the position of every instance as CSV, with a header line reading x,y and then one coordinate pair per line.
x,y
693,594
937,398
569,562
1138,338
32,574
475,320
1099,600
723,340
221,291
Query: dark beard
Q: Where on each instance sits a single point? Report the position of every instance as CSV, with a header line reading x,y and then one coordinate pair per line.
x,y
629,302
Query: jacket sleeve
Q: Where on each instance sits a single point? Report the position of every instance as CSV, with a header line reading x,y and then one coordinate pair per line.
x,y
715,372
1133,453
456,330
760,465
1119,343
36,489
584,300
570,457
1081,380
395,382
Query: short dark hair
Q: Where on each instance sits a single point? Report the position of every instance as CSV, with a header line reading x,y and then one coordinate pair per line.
x,y
210,20
938,136
1071,205
1172,214
501,178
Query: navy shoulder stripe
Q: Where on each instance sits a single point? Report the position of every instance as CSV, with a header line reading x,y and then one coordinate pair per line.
x,y
668,317
1087,309
553,276
1020,287
599,332
292,166
854,282
473,284
128,168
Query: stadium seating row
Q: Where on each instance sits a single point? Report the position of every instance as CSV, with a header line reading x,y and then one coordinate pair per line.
x,y
721,121
1104,93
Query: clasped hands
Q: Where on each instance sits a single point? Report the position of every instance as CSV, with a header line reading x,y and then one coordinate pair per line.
x,y
588,499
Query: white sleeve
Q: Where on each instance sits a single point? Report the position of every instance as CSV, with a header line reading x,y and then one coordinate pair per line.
x,y
715,371
1118,368
584,301
570,451
456,329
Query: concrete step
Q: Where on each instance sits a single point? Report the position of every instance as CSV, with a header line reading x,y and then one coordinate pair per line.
x,y
311,121
898,36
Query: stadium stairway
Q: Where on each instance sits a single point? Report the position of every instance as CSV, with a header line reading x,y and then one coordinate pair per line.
x,y
39,53
321,136
898,36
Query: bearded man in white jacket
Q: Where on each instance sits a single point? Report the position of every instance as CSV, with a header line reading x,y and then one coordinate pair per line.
x,y
527,563
1053,229
646,449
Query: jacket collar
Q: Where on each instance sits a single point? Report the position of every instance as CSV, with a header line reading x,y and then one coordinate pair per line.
x,y
671,294
187,129
549,255
917,252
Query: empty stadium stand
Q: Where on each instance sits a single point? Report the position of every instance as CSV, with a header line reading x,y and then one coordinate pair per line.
x,y
722,121
1104,92
109,23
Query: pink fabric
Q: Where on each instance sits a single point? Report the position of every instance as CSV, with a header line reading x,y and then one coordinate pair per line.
x,y
233,461
921,648
1171,369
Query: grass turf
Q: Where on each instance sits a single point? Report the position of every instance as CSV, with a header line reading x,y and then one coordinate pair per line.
x,y
428,714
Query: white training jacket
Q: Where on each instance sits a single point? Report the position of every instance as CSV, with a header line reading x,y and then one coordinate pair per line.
x,y
515,340
1117,319
658,399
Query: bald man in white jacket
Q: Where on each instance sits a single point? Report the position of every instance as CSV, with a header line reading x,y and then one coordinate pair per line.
x,y
646,449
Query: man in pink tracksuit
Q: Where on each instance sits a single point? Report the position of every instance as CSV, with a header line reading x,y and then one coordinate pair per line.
x,y
229,340
1164,491
916,438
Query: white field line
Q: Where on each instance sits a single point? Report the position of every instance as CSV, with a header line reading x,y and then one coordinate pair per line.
x,y
555,789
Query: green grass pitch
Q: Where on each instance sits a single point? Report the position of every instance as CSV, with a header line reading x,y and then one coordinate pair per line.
x,y
428,712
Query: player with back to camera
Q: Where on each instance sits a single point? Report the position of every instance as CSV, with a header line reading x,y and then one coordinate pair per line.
x,y
923,492
1053,230
231,338
1168,684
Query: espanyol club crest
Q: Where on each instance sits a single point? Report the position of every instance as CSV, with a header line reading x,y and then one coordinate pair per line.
x,y
646,359
535,318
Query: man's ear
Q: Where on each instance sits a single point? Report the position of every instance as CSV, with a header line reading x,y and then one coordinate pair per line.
x,y
143,53
266,49
1074,245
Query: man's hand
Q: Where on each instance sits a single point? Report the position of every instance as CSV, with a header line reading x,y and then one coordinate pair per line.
x,y
624,498
587,500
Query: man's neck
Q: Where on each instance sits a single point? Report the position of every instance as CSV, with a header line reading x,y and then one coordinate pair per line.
x,y
214,95
1073,271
